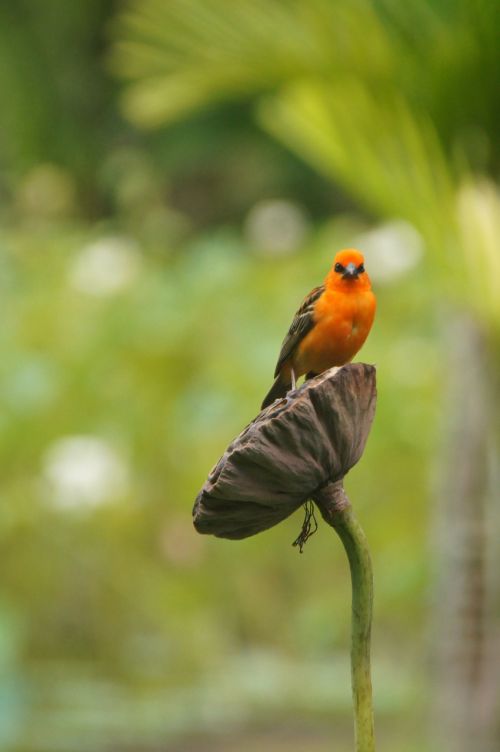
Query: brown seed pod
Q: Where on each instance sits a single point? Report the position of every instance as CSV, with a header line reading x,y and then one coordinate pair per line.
x,y
291,450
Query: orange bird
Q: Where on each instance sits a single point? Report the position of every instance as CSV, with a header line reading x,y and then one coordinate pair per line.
x,y
330,326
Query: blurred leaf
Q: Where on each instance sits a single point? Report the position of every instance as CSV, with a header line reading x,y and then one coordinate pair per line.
x,y
381,150
400,121
183,55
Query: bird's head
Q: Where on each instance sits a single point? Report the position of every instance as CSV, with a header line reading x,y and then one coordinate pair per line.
x,y
348,270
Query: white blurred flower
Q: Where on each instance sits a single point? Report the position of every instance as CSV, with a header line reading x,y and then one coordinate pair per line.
x,y
83,471
391,250
106,266
276,227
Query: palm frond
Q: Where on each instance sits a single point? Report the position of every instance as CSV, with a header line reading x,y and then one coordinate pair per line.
x,y
399,107
180,55
373,142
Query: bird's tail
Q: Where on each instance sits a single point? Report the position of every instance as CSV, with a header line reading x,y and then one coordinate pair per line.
x,y
279,389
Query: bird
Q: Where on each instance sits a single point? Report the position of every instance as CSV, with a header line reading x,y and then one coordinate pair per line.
x,y
330,326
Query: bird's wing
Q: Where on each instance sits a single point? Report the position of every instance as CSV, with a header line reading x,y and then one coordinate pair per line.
x,y
302,323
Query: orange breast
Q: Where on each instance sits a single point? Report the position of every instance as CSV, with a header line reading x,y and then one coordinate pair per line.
x,y
342,323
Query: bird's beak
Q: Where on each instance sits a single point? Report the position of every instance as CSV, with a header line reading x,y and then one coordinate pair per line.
x,y
351,272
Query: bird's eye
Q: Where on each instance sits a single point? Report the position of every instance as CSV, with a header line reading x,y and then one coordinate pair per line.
x,y
361,268
338,267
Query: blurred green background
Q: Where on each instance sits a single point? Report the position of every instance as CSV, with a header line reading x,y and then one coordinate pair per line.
x,y
175,175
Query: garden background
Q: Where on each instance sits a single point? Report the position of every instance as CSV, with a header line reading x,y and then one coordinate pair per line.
x,y
175,175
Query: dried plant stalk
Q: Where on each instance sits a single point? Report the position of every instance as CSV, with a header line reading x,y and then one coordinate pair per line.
x,y
298,449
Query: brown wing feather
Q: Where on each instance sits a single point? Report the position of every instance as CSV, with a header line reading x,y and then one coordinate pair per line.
x,y
302,323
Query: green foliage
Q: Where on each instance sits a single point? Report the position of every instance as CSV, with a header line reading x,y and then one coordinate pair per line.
x,y
153,335
400,122
184,55
54,96
393,161
376,146
123,596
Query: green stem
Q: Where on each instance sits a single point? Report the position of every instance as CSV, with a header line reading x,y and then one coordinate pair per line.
x,y
337,511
